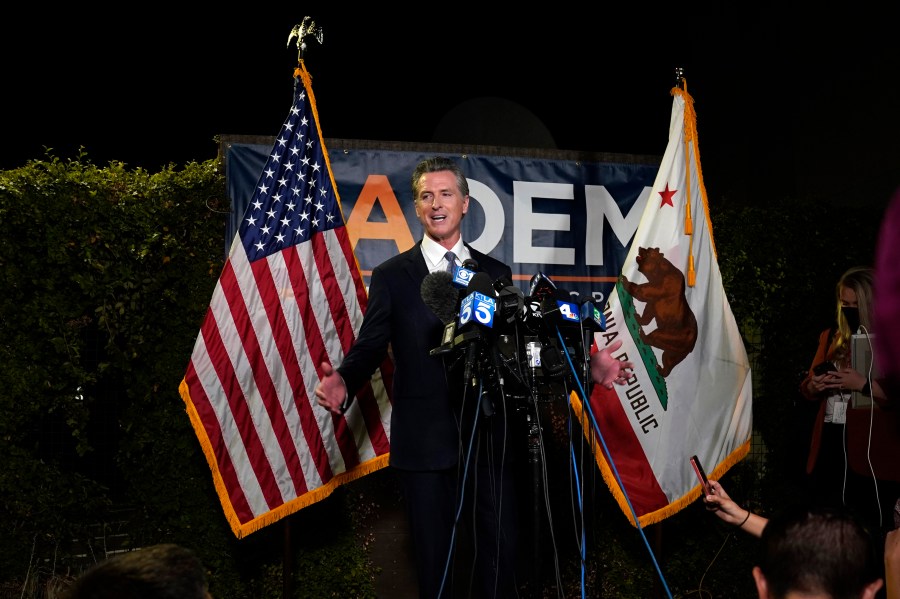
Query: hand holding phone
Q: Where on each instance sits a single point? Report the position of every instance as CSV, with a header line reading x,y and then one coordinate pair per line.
x,y
824,368
701,475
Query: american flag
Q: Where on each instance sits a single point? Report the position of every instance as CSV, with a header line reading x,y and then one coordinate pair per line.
x,y
289,297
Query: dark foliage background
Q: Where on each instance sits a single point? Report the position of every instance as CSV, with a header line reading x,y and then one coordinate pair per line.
x,y
106,274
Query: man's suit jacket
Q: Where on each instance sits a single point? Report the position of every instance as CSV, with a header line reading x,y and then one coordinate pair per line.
x,y
424,430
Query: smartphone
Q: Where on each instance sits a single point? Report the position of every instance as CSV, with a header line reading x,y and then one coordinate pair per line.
x,y
823,368
701,475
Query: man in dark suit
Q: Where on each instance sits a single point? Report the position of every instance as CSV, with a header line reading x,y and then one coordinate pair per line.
x,y
433,449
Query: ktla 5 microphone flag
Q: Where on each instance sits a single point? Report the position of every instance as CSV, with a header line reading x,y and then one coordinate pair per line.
x,y
690,393
289,298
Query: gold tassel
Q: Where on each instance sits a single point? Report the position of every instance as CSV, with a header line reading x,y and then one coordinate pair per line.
x,y
690,137
688,222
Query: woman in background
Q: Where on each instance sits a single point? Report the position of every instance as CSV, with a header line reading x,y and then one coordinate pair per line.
x,y
830,382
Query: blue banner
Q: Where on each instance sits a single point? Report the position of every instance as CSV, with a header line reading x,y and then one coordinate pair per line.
x,y
569,219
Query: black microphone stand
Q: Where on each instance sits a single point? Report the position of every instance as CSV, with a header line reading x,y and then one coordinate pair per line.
x,y
535,460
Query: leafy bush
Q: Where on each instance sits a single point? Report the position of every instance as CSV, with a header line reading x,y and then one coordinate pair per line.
x,y
107,273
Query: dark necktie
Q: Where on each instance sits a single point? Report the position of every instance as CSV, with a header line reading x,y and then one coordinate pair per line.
x,y
451,261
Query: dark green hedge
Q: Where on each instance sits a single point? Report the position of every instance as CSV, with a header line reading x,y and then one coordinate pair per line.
x,y
106,275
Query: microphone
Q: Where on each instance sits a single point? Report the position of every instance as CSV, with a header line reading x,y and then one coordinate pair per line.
x,y
510,300
592,322
552,362
502,283
566,312
550,304
471,264
479,305
462,275
591,317
476,311
541,286
439,294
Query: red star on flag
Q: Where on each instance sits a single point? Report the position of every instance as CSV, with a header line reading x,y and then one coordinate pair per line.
x,y
667,196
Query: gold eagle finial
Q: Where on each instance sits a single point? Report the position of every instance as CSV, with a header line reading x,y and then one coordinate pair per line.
x,y
301,32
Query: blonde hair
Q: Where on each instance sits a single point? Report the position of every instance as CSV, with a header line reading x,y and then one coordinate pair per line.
x,y
859,279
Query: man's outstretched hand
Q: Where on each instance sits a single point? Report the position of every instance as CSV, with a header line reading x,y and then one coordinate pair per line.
x,y
606,370
331,392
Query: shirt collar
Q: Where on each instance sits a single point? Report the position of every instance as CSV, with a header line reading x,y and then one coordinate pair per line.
x,y
434,252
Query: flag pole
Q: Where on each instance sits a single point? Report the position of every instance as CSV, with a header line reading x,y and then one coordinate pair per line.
x,y
287,560
297,35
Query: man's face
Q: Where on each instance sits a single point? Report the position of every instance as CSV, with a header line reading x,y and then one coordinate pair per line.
x,y
440,207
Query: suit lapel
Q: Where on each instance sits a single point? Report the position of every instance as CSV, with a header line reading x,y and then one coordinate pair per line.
x,y
414,264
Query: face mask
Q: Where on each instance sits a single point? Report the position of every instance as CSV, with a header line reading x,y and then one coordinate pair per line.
x,y
852,317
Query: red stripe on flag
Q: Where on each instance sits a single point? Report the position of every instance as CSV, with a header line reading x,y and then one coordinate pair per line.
x,y
230,380
637,476
225,466
336,303
369,407
372,415
347,248
316,346
290,371
337,307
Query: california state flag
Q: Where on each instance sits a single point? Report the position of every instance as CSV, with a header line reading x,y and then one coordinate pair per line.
x,y
691,389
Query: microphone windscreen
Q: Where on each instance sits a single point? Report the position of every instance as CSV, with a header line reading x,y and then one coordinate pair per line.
x,y
510,299
481,283
470,264
440,295
502,283
541,286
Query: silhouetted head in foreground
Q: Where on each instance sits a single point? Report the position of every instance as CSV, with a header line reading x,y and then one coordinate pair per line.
x,y
817,553
164,571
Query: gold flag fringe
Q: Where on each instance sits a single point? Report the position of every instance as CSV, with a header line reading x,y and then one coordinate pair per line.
x,y
609,478
242,530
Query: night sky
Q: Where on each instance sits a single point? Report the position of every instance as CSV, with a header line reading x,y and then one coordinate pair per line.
x,y
785,107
